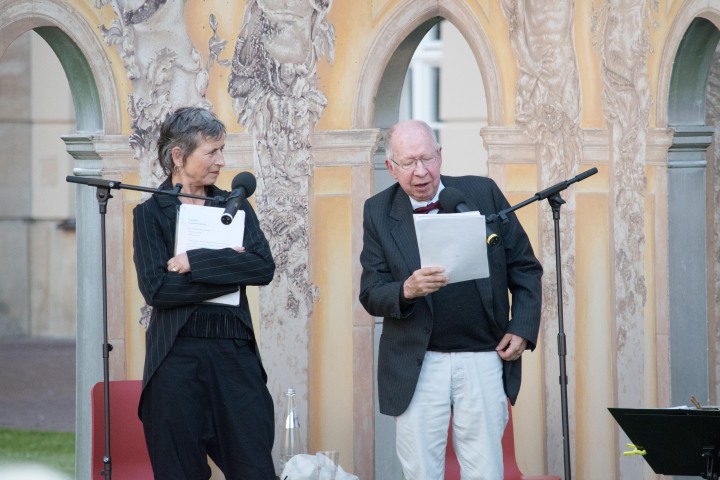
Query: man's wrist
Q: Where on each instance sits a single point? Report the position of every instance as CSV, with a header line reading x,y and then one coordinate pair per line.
x,y
403,298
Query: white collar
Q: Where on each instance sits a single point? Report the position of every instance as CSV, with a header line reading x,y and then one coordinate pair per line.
x,y
417,204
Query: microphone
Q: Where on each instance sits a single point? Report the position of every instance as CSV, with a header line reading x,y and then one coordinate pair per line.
x,y
453,200
243,186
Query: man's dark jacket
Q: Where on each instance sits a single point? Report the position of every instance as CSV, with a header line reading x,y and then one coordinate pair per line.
x,y
390,255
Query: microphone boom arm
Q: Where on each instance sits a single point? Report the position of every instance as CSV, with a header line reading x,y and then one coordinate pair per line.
x,y
549,192
102,194
112,184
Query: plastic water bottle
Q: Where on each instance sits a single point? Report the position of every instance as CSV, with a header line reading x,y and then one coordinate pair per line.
x,y
291,440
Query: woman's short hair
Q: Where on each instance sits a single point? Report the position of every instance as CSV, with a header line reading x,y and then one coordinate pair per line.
x,y
184,128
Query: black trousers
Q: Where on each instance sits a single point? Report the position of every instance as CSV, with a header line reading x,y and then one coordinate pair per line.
x,y
208,398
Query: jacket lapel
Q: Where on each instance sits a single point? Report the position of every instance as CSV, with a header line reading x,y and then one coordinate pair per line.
x,y
404,230
169,203
404,233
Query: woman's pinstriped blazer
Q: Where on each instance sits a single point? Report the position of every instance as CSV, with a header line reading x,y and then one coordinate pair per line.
x,y
175,296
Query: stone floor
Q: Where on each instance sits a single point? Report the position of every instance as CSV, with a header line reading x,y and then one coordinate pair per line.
x,y
37,384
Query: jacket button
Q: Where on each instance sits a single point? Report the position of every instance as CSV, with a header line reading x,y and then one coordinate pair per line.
x,y
418,361
426,330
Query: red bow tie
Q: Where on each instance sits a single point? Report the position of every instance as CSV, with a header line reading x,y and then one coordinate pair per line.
x,y
427,208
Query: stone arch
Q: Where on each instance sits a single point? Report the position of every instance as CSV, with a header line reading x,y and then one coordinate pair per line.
x,y
382,74
682,88
376,105
80,52
689,13
98,114
688,80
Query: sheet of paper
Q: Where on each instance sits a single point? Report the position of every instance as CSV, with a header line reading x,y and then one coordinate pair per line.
x,y
199,226
455,241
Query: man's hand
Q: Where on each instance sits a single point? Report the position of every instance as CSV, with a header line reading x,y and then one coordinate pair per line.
x,y
424,281
511,347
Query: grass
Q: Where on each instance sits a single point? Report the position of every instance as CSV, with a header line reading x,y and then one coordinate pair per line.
x,y
52,449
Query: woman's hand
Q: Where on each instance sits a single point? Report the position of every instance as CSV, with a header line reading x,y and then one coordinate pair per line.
x,y
179,263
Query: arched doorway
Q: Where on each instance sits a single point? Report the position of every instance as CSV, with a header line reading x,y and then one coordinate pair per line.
x,y
413,79
431,74
37,205
691,180
95,102
37,228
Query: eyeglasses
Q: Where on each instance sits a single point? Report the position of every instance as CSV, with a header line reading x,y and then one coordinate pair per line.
x,y
412,164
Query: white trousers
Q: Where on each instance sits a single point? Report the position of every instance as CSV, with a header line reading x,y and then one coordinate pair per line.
x,y
470,383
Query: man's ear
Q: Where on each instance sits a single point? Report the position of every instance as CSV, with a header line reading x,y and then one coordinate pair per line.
x,y
391,168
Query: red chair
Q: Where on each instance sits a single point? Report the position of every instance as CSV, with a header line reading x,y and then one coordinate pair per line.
x,y
128,451
512,471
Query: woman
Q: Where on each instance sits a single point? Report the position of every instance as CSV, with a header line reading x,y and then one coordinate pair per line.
x,y
204,387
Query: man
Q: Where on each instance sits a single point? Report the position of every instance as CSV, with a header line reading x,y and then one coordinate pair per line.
x,y
445,347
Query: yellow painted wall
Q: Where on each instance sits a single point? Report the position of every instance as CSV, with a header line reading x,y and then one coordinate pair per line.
x,y
333,201
330,376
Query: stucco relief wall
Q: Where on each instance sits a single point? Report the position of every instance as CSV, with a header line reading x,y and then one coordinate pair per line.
x,y
165,71
548,111
273,83
627,183
622,29
165,68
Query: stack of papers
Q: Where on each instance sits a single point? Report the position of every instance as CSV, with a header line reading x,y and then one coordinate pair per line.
x,y
455,241
199,226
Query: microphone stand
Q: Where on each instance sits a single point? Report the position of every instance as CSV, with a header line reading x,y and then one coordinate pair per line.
x,y
103,195
555,200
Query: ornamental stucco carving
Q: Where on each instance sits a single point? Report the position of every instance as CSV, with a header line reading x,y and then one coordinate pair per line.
x,y
548,111
621,36
165,68
166,71
273,83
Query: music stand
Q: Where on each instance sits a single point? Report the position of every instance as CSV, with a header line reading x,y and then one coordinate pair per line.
x,y
677,441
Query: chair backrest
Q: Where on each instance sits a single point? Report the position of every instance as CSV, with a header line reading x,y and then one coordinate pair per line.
x,y
512,471
128,450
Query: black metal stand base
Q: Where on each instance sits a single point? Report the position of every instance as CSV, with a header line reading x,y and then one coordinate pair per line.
x,y
103,196
712,463
552,194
